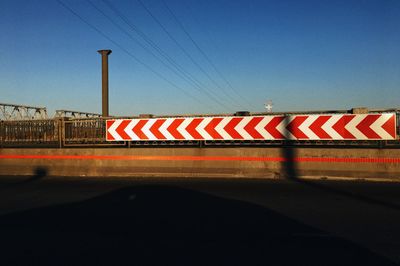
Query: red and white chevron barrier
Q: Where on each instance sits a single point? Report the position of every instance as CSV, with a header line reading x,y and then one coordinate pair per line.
x,y
296,127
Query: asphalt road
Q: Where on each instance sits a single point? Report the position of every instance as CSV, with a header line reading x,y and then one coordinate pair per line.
x,y
125,221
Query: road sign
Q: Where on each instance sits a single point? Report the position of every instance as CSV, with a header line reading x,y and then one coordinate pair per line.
x,y
295,127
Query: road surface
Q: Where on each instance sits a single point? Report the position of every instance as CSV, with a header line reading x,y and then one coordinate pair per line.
x,y
166,221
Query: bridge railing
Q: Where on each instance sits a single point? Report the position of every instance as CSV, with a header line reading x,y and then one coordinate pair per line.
x,y
85,132
60,132
29,132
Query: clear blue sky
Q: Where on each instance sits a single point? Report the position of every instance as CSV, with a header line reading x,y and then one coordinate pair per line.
x,y
304,55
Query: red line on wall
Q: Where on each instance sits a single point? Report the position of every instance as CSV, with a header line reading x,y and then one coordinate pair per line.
x,y
200,158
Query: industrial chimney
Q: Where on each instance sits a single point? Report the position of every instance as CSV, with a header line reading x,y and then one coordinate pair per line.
x,y
104,83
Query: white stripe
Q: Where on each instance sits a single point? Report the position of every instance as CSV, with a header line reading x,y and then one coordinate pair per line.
x,y
305,127
240,128
282,127
220,128
182,128
113,128
164,126
146,129
261,127
329,124
202,131
129,127
377,126
351,127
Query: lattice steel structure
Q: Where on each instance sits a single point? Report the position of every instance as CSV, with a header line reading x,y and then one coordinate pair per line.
x,y
75,114
11,112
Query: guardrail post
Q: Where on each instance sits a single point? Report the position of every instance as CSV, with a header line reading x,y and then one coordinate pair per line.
x,y
60,132
1,134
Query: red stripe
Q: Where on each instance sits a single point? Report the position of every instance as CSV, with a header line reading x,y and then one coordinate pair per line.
x,y
109,124
155,129
390,126
316,127
340,126
121,129
347,160
173,128
251,128
294,129
365,126
191,128
230,128
210,128
271,127
201,158
137,129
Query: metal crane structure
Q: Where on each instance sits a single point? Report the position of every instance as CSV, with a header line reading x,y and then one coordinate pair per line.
x,y
10,112
74,114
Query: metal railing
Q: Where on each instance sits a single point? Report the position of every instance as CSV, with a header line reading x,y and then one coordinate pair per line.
x,y
54,133
29,132
86,132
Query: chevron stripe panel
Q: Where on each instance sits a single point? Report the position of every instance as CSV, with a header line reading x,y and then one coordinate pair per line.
x,y
295,127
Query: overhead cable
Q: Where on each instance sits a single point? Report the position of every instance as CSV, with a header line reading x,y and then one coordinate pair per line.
x,y
179,45
127,52
178,73
180,24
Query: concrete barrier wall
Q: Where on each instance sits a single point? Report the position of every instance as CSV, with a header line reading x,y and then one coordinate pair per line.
x,y
202,162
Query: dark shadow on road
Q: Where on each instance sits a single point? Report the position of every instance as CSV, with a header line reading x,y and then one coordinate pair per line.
x,y
291,173
348,194
39,174
164,225
289,154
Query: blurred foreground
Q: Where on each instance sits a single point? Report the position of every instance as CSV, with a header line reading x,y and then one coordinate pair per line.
x,y
104,221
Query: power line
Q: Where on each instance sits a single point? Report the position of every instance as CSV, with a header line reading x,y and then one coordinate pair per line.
x,y
179,45
154,55
142,35
126,51
178,73
202,51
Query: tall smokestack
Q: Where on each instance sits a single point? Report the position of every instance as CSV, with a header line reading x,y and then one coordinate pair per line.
x,y
104,83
